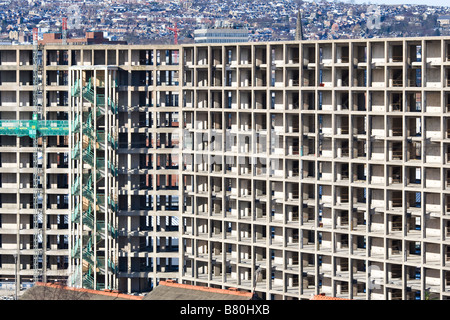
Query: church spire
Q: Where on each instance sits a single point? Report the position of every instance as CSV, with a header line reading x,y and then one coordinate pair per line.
x,y
299,28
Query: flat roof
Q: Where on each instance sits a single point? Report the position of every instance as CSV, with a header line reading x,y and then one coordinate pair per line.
x,y
180,46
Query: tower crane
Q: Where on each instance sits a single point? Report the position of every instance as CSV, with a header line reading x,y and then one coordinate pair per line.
x,y
38,151
175,31
64,31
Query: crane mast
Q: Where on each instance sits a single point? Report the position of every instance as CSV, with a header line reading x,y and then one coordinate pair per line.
x,y
38,176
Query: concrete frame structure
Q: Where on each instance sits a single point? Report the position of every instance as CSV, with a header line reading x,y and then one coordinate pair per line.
x,y
134,158
320,165
17,172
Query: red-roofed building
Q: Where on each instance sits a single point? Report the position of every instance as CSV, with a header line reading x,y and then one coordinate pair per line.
x,y
171,290
91,37
57,291
165,290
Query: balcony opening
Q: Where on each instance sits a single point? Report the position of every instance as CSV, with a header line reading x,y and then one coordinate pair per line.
x,y
397,102
344,241
397,174
397,77
397,53
344,101
360,148
447,102
359,172
344,78
397,127
448,52
414,102
414,77
344,125
359,102
345,54
344,148
414,127
309,78
397,151
396,247
447,202
414,150
414,199
309,101
414,175
397,199
361,54
359,125
415,53
361,78
309,55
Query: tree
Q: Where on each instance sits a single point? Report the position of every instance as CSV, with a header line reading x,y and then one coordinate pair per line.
x,y
56,291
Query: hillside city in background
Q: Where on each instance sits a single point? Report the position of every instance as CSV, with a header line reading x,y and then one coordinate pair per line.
x,y
142,21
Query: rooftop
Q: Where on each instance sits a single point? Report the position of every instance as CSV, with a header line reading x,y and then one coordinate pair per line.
x,y
168,290
55,291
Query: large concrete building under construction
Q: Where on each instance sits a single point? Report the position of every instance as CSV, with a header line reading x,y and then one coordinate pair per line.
x,y
288,168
